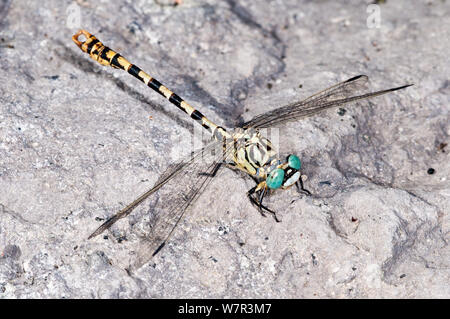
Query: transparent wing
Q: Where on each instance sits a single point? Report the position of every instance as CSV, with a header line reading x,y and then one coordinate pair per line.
x,y
173,193
170,173
341,90
176,198
337,95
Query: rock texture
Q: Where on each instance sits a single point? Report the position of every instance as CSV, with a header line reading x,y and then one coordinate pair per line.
x,y
79,141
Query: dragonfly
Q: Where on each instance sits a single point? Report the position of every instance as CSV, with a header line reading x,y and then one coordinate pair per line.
x,y
244,149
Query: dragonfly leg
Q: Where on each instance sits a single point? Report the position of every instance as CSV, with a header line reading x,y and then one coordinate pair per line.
x,y
301,188
258,202
261,197
254,201
214,172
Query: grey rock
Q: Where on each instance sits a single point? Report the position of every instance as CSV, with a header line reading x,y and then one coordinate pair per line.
x,y
77,144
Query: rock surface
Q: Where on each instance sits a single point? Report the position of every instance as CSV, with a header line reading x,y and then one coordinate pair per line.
x,y
79,141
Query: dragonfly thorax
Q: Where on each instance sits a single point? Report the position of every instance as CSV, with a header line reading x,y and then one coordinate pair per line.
x,y
255,155
252,152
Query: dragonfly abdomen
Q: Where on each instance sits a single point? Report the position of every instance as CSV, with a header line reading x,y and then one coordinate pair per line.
x,y
106,56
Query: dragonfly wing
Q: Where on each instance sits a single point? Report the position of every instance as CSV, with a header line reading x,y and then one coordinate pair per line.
x,y
341,90
173,193
337,95
174,199
170,173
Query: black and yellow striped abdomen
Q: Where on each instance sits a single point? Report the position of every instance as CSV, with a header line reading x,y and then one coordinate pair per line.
x,y
106,56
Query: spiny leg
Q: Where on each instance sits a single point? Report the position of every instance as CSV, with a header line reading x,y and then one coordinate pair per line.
x,y
301,188
231,166
214,172
253,201
258,203
261,197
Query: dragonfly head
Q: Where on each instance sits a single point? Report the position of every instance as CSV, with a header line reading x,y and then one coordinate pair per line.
x,y
285,174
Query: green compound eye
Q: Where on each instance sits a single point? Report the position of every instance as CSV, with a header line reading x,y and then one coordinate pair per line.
x,y
275,178
294,162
